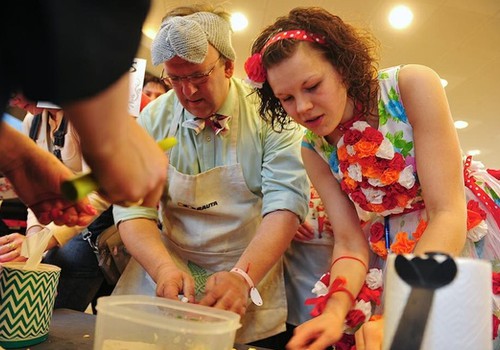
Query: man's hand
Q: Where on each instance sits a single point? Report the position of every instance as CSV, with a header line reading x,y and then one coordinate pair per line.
x,y
227,291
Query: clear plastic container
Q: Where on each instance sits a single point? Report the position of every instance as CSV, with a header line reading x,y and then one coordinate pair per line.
x,y
141,322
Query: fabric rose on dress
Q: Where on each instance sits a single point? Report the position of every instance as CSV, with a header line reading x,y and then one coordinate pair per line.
x,y
346,342
422,225
370,295
402,244
496,283
374,279
358,315
379,249
476,225
373,175
376,232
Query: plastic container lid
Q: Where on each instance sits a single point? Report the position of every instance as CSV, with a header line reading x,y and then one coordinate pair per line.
x,y
152,311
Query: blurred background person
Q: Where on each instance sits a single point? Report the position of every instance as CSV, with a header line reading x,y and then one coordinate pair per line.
x,y
154,86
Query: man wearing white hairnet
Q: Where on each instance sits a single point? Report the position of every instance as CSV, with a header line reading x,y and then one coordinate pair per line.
x,y
236,189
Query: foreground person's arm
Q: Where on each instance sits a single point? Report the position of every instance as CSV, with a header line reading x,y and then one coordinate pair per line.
x,y
127,163
37,176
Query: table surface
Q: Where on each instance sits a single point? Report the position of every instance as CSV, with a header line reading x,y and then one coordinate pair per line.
x,y
73,330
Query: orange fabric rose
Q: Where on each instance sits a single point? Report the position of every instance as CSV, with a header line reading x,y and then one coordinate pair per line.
x,y
402,244
350,183
377,208
402,200
389,176
379,249
371,172
422,225
342,153
365,148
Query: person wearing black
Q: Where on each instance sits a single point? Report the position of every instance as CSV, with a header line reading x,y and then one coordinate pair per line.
x,y
88,47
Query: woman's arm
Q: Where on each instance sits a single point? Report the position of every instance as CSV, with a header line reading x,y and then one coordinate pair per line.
x,y
327,328
438,159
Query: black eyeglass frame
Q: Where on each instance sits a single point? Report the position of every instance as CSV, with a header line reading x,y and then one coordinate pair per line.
x,y
195,79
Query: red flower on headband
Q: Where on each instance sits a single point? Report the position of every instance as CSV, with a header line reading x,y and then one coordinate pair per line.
x,y
255,70
256,73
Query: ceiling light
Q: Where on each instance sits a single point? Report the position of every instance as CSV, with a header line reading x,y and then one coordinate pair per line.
x,y
238,21
400,17
150,33
473,152
461,124
444,82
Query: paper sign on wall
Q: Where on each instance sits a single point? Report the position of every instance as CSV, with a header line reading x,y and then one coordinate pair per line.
x,y
46,104
137,71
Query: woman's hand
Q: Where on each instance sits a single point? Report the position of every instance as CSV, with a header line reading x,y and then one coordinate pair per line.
x,y
10,247
369,335
317,334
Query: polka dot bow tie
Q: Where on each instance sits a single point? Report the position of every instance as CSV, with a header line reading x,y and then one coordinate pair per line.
x,y
219,124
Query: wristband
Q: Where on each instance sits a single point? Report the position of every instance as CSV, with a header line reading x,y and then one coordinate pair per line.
x,y
254,293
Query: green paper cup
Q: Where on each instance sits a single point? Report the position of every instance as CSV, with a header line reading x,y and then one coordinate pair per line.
x,y
26,303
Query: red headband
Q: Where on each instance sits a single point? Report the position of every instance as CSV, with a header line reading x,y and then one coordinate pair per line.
x,y
256,73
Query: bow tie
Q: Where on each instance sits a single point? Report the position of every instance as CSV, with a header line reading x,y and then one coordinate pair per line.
x,y
219,124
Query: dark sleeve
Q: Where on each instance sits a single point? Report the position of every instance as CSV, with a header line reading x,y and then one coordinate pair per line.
x,y
67,50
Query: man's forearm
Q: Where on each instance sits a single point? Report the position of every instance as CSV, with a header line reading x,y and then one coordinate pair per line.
x,y
273,237
143,241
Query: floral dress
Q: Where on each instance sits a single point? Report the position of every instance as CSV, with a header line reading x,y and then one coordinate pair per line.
x,y
377,169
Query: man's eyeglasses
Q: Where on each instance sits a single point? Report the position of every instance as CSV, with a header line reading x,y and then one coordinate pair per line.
x,y
195,79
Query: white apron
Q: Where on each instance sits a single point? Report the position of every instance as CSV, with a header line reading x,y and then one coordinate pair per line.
x,y
209,220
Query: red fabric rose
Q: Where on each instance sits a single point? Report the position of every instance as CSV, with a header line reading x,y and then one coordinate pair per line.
x,y
370,295
255,69
352,136
397,162
354,318
373,135
343,166
389,201
359,197
473,219
376,232
345,343
496,283
473,205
